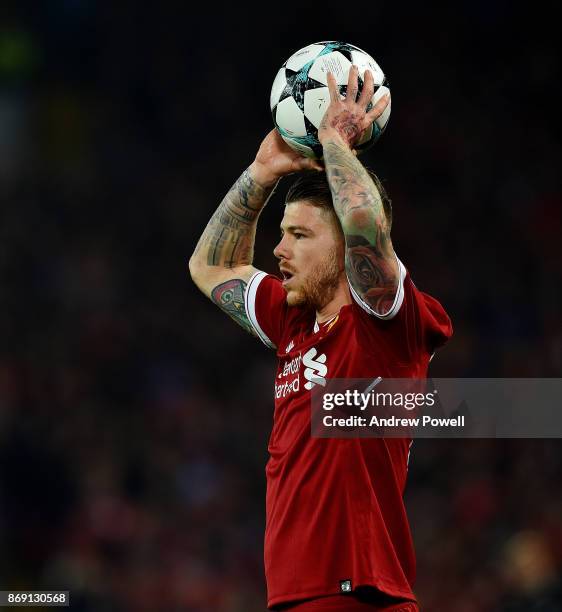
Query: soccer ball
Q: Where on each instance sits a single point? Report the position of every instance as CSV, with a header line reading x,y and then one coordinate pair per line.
x,y
300,95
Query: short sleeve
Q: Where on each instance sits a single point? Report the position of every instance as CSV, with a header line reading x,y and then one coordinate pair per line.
x,y
416,321
266,307
427,325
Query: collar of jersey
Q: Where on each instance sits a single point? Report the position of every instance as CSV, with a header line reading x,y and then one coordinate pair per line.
x,y
313,338
318,326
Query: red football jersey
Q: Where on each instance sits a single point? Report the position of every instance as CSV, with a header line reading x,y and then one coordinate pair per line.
x,y
335,515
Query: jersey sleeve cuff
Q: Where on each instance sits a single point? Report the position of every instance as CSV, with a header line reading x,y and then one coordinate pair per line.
x,y
250,304
398,298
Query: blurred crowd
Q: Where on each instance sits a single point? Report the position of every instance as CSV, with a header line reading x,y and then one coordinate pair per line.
x,y
134,417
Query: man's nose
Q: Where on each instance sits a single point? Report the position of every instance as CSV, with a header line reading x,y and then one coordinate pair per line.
x,y
281,251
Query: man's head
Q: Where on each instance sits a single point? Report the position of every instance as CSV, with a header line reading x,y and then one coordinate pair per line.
x,y
312,248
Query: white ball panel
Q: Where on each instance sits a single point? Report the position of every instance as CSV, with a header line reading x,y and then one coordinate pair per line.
x,y
334,62
383,119
289,117
363,61
277,88
297,146
303,56
316,102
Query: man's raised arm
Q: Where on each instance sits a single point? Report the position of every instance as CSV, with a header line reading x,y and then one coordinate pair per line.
x,y
371,265
221,264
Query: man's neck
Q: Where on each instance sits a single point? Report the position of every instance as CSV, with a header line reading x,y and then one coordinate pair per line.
x,y
341,297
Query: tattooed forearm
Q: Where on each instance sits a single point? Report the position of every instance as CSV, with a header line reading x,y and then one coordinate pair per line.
x,y
370,261
228,239
352,187
229,297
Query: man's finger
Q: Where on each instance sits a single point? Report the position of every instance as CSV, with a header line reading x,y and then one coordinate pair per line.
x,y
333,88
368,89
378,108
352,84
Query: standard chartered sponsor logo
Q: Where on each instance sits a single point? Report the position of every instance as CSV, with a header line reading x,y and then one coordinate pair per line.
x,y
283,389
291,367
315,372
316,369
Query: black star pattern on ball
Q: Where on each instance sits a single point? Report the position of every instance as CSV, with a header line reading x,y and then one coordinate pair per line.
x,y
310,129
298,82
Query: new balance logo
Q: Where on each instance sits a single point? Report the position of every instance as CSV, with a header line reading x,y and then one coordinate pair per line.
x,y
316,369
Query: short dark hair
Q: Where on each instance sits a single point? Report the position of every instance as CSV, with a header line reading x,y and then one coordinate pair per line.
x,y
313,187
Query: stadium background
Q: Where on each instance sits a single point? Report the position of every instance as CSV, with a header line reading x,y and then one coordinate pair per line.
x,y
134,417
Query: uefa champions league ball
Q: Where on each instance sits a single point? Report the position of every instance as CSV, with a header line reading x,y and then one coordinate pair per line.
x,y
300,95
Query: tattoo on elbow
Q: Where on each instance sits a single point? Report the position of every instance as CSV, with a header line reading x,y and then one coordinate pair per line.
x,y
372,275
229,297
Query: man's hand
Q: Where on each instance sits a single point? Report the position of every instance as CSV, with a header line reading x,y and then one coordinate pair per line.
x,y
346,120
275,159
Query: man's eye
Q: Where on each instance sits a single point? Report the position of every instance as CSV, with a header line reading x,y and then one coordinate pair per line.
x,y
298,235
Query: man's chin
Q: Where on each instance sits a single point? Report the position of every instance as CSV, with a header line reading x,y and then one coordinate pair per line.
x,y
294,298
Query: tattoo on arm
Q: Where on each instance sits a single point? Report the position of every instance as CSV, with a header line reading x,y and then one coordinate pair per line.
x,y
228,239
370,273
229,297
369,260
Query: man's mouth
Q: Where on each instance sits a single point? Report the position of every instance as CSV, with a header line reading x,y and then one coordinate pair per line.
x,y
287,276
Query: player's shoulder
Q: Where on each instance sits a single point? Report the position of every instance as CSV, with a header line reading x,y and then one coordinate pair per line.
x,y
270,315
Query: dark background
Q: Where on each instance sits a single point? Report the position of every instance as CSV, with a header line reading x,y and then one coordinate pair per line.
x,y
134,417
